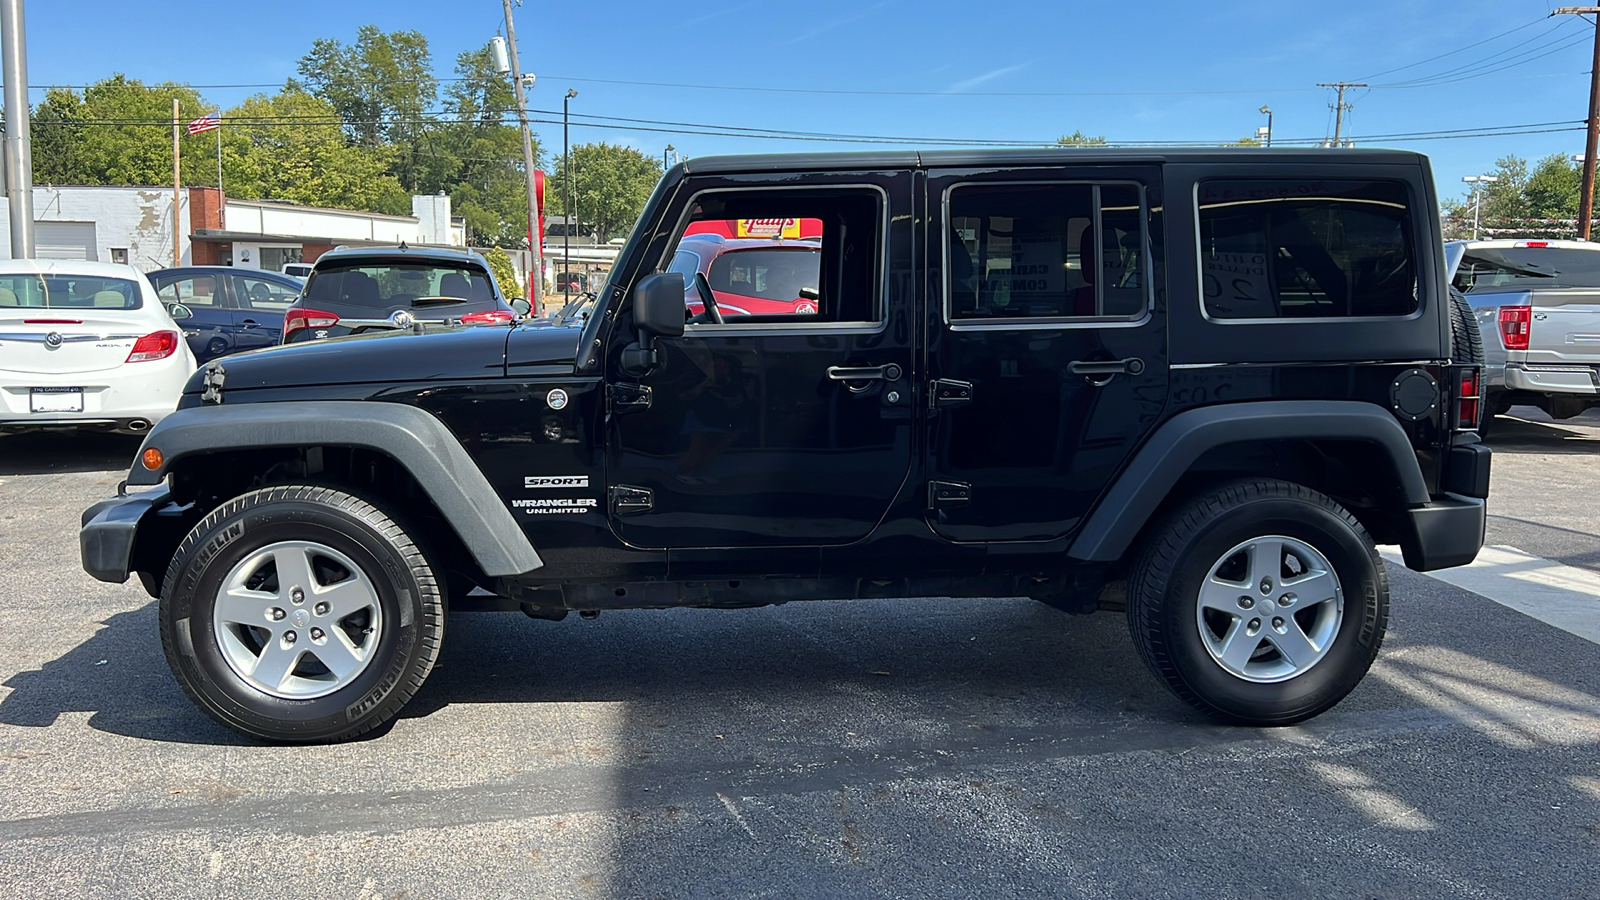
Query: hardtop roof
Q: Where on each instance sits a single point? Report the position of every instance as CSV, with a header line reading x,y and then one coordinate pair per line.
x,y
1044,156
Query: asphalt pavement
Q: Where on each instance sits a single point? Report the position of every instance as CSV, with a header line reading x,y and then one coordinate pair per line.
x,y
937,748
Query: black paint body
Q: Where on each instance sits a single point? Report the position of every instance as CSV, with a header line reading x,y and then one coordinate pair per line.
x,y
759,466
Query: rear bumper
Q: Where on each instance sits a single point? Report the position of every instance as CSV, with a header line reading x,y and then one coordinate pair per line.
x,y
1447,532
1574,379
109,530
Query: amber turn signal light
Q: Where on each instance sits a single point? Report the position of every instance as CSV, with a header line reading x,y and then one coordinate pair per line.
x,y
151,458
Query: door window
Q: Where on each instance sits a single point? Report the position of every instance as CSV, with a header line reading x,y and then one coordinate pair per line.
x,y
1046,251
190,290
782,257
261,294
1306,248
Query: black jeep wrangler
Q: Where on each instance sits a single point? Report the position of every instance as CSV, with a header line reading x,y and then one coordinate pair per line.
x,y
1214,377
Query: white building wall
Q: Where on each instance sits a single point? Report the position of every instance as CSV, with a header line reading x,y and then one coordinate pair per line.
x,y
311,222
135,219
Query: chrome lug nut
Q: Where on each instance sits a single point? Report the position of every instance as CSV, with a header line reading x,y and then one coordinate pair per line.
x,y
297,596
1277,623
277,614
288,637
321,609
1286,600
317,634
1246,602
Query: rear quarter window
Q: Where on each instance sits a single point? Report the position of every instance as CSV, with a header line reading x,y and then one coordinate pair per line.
x,y
1306,248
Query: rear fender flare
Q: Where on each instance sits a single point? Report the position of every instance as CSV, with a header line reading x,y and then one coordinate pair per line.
x,y
1176,444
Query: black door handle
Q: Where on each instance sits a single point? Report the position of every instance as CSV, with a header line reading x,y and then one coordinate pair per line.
x,y
1133,365
890,372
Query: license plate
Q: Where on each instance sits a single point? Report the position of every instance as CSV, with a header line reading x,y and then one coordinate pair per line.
x,y
49,400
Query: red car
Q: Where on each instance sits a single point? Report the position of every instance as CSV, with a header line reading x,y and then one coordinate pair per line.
x,y
751,276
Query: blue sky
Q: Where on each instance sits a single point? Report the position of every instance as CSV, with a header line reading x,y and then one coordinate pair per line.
x,y
1013,71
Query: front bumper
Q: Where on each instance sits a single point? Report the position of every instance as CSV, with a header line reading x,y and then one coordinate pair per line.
x,y
110,528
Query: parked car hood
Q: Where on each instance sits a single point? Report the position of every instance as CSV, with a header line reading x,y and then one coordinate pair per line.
x,y
375,357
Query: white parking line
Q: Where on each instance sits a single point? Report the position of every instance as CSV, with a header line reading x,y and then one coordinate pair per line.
x,y
1555,594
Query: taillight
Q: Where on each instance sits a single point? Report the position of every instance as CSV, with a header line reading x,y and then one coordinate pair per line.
x,y
298,319
1515,323
155,345
52,321
1469,402
489,317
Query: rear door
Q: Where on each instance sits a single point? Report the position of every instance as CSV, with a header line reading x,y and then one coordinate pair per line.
x,y
258,308
1047,359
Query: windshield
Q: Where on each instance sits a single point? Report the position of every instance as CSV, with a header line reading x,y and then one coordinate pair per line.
x,y
1504,269
396,285
770,274
68,292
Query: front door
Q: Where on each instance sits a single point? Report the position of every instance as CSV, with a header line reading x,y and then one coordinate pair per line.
x,y
209,328
1046,356
784,414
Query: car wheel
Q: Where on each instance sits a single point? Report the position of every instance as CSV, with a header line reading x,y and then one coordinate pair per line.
x,y
1260,602
300,614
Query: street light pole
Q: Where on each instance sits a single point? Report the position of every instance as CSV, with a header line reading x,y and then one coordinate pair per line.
x,y
1267,110
566,179
18,143
535,239
1477,182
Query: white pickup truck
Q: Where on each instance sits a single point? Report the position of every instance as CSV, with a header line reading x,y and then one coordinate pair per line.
x,y
1538,309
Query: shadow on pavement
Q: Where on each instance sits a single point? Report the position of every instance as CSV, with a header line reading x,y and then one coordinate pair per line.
x,y
120,677
47,452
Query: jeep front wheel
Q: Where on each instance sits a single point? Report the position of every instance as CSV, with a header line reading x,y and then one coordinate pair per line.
x,y
300,614
1261,602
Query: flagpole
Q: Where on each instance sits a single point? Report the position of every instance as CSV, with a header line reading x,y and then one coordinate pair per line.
x,y
177,227
219,154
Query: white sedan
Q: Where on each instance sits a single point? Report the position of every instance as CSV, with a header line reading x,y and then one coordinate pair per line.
x,y
85,344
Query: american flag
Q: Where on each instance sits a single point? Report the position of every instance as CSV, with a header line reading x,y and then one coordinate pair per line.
x,y
205,123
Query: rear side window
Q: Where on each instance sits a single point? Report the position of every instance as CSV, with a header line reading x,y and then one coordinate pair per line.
x,y
1306,249
1046,251
1490,270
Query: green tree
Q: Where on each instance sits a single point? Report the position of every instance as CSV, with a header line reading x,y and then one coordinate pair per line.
x,y
477,158
610,185
1079,139
382,86
291,146
504,273
1537,202
119,131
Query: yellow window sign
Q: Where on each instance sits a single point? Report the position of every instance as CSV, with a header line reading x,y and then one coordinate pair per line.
x,y
769,228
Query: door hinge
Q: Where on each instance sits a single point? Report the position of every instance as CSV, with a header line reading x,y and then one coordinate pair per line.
x,y
628,500
627,398
944,393
945,494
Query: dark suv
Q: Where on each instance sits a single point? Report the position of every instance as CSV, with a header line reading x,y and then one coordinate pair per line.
x,y
354,291
1208,381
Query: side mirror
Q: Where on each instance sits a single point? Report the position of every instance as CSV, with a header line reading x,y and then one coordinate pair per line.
x,y
658,307
521,306
179,312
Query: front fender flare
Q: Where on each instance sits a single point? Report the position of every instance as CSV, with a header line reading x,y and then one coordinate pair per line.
x,y
1183,439
412,437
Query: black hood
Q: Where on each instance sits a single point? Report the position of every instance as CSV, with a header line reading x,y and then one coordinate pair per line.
x,y
375,357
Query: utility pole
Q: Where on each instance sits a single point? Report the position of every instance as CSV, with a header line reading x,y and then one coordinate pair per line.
x,y
566,205
535,240
177,183
18,143
1586,199
1340,108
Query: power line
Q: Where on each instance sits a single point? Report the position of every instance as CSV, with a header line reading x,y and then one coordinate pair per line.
x,y
1512,62
1455,51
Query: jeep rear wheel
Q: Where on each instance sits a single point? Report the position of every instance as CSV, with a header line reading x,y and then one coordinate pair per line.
x,y
300,614
1261,602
